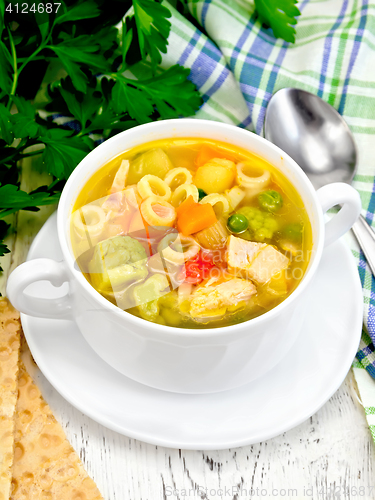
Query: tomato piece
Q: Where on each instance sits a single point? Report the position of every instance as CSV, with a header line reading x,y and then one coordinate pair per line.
x,y
197,269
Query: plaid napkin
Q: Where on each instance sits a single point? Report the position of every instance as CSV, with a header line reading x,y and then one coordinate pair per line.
x,y
240,66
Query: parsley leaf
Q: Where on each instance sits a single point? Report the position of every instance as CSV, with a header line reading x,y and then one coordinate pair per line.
x,y
83,49
13,199
84,9
107,119
126,38
172,88
62,152
84,39
18,125
2,11
6,125
280,15
127,97
81,106
170,94
94,109
24,121
3,249
3,232
153,28
5,68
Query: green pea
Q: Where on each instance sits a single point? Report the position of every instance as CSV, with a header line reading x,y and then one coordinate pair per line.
x,y
270,200
202,194
293,232
237,223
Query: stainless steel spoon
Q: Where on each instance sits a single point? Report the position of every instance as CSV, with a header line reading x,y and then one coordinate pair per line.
x,y
315,135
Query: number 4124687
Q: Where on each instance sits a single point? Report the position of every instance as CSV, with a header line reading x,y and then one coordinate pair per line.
x,y
24,8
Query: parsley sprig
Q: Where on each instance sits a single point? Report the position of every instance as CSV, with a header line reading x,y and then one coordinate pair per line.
x,y
280,15
96,87
96,84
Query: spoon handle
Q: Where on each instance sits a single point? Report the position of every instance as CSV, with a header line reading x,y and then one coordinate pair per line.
x,y
366,239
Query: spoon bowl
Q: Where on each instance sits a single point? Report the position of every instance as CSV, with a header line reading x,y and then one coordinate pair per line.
x,y
314,134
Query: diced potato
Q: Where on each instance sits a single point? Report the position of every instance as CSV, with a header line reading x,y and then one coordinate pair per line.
x,y
155,162
272,292
277,285
215,176
265,300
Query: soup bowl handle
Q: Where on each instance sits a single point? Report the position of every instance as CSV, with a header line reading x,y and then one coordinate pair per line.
x,y
31,272
339,193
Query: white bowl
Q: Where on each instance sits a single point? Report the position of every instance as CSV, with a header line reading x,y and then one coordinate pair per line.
x,y
179,359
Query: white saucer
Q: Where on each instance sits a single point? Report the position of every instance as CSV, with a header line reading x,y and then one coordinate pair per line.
x,y
293,391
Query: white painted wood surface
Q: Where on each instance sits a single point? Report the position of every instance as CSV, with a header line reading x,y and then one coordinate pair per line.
x,y
330,456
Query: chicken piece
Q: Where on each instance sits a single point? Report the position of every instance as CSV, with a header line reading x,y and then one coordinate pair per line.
x,y
211,301
267,264
240,254
120,178
256,261
290,247
117,200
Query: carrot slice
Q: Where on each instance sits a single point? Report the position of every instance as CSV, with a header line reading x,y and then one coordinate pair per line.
x,y
196,218
208,153
185,205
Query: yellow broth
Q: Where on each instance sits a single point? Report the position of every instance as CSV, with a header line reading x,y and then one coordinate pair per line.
x,y
185,153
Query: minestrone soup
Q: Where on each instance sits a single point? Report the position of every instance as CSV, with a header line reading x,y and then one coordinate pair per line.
x,y
191,233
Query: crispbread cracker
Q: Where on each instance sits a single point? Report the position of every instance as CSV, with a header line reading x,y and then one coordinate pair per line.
x,y
10,328
45,465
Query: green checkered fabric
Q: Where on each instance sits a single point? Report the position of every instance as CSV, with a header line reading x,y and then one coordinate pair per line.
x,y
240,65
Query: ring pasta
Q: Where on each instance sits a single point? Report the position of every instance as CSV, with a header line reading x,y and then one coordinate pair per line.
x,y
157,212
246,181
151,185
218,202
183,192
234,196
175,255
174,176
89,221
